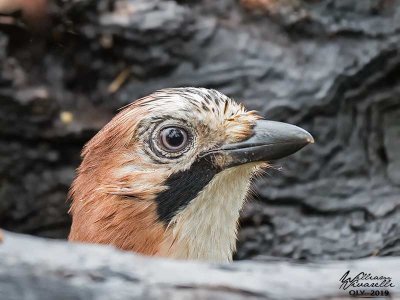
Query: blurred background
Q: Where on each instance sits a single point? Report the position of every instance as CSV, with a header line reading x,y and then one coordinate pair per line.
x,y
330,66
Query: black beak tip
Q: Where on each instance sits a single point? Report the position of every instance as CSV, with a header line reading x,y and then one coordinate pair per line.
x,y
304,136
282,139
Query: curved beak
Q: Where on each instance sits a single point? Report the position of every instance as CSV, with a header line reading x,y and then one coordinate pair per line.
x,y
271,140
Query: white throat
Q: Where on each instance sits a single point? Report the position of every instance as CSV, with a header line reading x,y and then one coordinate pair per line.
x,y
206,229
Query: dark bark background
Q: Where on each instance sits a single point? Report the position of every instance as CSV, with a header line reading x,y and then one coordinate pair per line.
x,y
332,67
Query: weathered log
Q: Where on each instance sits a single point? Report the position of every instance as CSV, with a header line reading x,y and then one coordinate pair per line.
x,y
34,268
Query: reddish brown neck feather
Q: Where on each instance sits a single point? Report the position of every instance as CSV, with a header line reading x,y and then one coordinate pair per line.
x,y
99,216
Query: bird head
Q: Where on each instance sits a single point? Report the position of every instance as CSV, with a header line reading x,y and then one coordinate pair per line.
x,y
169,174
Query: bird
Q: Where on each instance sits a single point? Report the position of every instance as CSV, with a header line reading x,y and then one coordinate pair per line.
x,y
169,174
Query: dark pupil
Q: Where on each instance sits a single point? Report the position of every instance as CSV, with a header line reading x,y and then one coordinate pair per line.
x,y
174,137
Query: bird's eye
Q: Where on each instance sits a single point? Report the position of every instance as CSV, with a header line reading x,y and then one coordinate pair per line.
x,y
173,139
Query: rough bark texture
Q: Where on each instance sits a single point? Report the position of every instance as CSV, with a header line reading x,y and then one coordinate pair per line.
x,y
329,66
57,270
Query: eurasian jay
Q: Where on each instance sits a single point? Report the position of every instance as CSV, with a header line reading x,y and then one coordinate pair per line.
x,y
169,174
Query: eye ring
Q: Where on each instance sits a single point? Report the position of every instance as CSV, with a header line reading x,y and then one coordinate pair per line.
x,y
173,139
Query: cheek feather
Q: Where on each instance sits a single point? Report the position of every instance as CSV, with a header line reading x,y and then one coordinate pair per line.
x,y
137,185
206,229
183,187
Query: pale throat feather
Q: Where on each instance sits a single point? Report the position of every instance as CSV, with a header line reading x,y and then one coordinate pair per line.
x,y
206,229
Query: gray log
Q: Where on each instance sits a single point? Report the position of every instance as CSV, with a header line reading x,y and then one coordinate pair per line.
x,y
33,268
